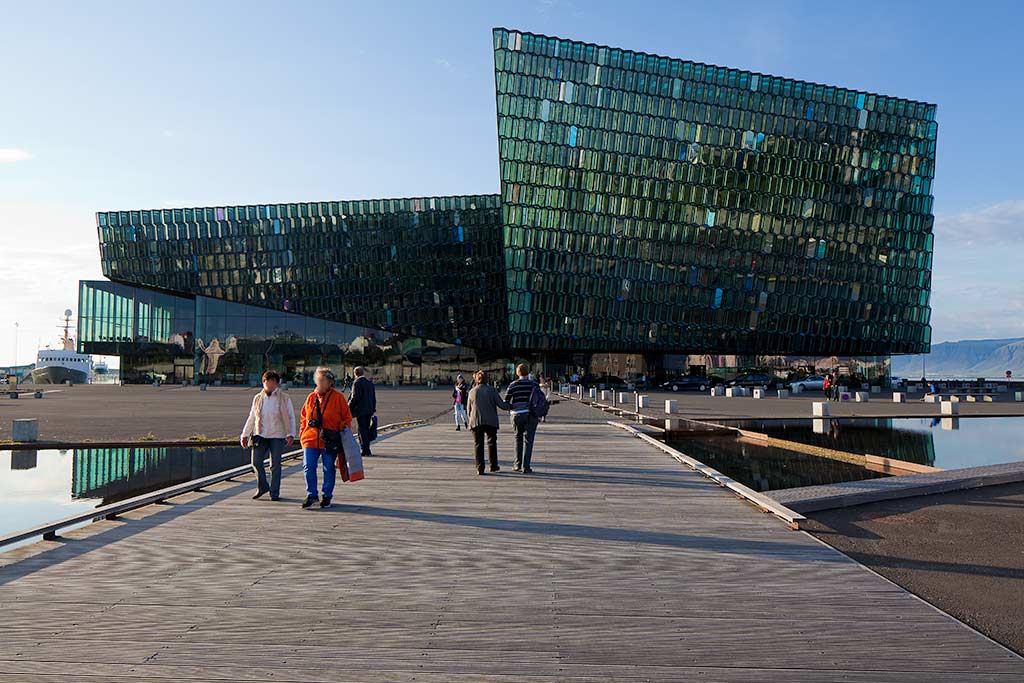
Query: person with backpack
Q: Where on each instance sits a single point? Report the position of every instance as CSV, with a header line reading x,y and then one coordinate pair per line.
x,y
528,407
460,397
362,401
483,404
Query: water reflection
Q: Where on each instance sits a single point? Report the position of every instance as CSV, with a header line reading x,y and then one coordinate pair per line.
x,y
943,442
875,436
39,486
763,468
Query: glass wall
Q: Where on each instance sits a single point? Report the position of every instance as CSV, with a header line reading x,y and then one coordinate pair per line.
x,y
175,339
652,203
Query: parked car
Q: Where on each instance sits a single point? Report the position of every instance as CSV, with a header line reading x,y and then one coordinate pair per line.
x,y
812,383
754,379
689,383
608,381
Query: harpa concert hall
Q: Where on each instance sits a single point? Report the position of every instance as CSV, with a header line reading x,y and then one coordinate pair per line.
x,y
656,217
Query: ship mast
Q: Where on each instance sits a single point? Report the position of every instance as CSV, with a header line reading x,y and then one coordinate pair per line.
x,y
66,341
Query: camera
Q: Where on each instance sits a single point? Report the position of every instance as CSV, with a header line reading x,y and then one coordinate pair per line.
x,y
313,423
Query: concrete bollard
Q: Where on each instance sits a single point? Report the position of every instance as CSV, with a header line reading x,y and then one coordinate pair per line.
x,y
899,397
625,397
37,394
862,396
731,392
671,406
592,394
844,396
1018,396
25,429
606,396
988,398
971,398
718,391
819,426
643,401
875,389
12,394
933,398
819,409
949,408
783,393
758,393
954,398
673,424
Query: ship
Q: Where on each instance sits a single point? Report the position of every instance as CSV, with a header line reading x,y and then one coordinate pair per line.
x,y
64,365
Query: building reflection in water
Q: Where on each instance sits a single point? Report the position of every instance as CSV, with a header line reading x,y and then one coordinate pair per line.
x,y
113,474
872,436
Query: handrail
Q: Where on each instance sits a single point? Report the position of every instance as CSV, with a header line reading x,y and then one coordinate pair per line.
x,y
49,530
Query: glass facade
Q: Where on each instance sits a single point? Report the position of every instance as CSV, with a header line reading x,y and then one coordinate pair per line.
x,y
177,338
652,204
650,207
429,267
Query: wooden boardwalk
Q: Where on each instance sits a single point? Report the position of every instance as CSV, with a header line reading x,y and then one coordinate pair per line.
x,y
611,563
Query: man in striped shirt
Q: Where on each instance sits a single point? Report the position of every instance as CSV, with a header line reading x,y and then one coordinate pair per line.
x,y
524,425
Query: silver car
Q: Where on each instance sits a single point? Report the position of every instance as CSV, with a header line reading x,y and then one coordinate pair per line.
x,y
812,383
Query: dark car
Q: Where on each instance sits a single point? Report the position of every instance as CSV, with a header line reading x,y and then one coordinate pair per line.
x,y
608,381
754,379
689,383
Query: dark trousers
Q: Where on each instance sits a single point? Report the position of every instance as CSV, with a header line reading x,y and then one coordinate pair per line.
x,y
525,427
363,422
491,433
274,448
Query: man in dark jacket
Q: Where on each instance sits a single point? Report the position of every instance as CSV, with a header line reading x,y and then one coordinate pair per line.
x,y
524,425
362,402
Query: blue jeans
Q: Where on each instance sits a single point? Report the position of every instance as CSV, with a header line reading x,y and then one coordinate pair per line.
x,y
310,458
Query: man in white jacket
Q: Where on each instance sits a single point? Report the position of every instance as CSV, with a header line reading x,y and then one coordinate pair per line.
x,y
268,429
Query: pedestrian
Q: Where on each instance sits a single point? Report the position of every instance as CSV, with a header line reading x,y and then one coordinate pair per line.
x,y
362,401
524,424
827,386
269,428
324,414
483,403
545,387
460,396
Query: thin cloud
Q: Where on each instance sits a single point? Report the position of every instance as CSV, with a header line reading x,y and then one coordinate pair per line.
x,y
999,223
444,63
9,155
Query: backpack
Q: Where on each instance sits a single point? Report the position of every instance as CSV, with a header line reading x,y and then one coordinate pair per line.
x,y
539,404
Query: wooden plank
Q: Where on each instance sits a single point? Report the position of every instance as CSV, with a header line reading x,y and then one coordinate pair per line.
x,y
427,572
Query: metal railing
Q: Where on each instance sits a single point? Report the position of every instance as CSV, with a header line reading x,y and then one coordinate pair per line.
x,y
48,531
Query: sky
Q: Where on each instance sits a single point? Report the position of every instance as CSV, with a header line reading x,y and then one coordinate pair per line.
x,y
124,105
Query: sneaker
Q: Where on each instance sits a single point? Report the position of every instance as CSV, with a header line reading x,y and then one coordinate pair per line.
x,y
517,469
481,472
260,493
325,502
527,470
275,498
495,468
458,428
308,503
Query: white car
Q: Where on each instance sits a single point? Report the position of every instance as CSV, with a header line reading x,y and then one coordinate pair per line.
x,y
812,383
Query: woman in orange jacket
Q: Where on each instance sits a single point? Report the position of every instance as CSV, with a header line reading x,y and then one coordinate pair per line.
x,y
324,414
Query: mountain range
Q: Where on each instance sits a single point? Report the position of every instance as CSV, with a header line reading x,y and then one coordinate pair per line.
x,y
989,358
